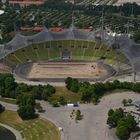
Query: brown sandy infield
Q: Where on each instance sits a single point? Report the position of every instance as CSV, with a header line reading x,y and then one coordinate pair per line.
x,y
54,70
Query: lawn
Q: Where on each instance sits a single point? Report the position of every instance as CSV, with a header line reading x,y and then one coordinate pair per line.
x,y
36,129
116,91
68,95
11,101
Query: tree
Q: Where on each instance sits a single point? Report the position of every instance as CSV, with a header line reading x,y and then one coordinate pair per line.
x,y
108,86
74,85
25,99
47,92
22,88
125,126
9,86
2,108
9,82
137,36
27,112
130,101
124,123
37,92
110,112
26,105
122,132
99,89
68,82
55,103
95,100
51,89
129,122
136,87
78,115
124,102
117,84
114,117
86,94
111,122
39,107
62,100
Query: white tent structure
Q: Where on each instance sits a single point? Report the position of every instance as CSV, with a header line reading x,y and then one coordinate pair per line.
x,y
127,46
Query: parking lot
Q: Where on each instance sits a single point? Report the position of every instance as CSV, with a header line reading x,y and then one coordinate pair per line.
x,y
93,126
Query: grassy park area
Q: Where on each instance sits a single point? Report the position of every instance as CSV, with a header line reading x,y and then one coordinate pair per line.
x,y
70,96
36,129
8,100
67,94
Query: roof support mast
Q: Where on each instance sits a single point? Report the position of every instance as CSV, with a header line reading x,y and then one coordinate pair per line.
x,y
102,25
72,24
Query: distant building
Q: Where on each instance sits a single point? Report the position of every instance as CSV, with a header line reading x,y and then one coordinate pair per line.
x,y
24,3
137,104
56,29
40,28
121,2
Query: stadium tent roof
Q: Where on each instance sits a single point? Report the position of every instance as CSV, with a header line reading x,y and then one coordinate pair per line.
x,y
42,36
74,33
130,49
19,41
59,35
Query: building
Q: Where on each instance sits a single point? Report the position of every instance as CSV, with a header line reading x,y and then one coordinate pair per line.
x,y
24,3
121,2
137,104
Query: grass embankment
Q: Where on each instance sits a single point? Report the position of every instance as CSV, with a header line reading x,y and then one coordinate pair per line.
x,y
116,91
36,129
8,100
71,97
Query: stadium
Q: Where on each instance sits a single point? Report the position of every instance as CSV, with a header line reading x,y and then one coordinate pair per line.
x,y
54,56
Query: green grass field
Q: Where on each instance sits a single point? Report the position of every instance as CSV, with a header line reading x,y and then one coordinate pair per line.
x,y
8,100
71,97
37,129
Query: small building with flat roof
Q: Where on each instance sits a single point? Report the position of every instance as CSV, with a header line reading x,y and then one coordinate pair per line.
x,y
24,3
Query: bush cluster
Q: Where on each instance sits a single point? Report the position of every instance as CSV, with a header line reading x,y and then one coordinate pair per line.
x,y
25,94
2,108
92,92
26,104
9,88
124,123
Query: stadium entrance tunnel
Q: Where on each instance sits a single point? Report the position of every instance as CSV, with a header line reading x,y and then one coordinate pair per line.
x,y
59,55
